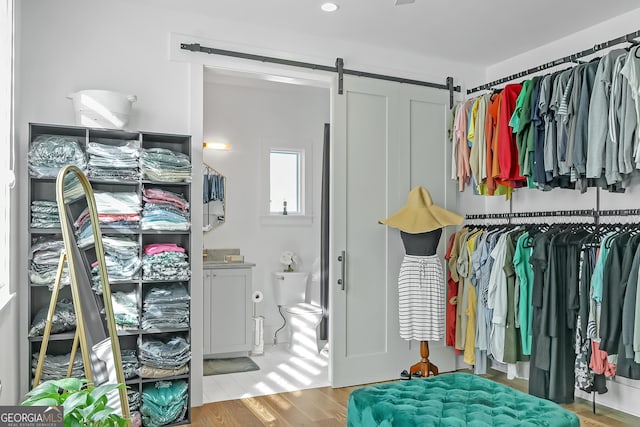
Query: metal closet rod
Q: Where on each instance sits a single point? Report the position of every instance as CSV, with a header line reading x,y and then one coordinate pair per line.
x,y
582,212
338,68
629,38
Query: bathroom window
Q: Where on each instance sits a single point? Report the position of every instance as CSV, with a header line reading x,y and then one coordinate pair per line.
x,y
285,181
286,176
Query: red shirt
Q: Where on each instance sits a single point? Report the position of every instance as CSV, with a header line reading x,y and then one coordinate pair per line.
x,y
507,147
489,128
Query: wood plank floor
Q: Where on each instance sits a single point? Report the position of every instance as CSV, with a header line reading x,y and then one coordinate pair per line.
x,y
327,406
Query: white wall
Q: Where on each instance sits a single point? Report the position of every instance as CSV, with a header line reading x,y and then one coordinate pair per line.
x,y
253,118
622,393
9,395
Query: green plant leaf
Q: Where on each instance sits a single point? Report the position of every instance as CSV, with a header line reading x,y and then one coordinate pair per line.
x,y
69,384
71,421
75,400
30,401
99,404
44,388
103,415
41,401
123,422
86,411
103,389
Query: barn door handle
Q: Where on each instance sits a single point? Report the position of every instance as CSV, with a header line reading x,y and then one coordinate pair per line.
x,y
342,258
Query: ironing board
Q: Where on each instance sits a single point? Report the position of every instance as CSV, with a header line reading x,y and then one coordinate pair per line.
x,y
456,399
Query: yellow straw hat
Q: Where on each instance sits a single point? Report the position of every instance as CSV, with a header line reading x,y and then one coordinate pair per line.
x,y
420,215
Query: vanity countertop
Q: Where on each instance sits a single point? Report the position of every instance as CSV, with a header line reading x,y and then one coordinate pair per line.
x,y
222,264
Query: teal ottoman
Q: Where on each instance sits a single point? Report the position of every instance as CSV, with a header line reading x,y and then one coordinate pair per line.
x,y
456,399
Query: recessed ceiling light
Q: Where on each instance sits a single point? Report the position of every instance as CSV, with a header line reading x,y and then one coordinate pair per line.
x,y
329,7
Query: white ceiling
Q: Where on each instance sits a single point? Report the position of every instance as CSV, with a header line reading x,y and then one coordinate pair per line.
x,y
481,32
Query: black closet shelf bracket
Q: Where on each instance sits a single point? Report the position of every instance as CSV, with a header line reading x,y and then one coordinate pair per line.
x,y
340,70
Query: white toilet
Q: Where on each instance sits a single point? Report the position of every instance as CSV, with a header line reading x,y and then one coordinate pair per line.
x,y
290,290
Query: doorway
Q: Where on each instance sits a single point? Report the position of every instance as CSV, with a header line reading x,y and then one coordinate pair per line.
x,y
255,114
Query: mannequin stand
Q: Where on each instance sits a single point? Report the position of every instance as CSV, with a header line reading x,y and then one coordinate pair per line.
x,y
424,366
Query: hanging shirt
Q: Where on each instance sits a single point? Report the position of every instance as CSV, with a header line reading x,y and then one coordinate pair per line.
x,y
477,157
631,72
558,103
514,122
598,128
481,138
582,119
636,328
461,320
615,125
598,273
524,270
470,309
490,135
452,292
507,148
525,135
539,114
512,347
629,115
460,128
497,298
572,113
452,139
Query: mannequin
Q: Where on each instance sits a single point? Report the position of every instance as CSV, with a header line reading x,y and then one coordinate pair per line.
x,y
424,245
421,282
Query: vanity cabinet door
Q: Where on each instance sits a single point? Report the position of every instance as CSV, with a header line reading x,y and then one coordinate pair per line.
x,y
227,310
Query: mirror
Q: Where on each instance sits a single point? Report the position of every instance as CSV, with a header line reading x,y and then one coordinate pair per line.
x,y
213,193
95,330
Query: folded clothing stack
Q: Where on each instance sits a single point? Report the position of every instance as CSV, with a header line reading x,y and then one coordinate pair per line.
x,y
45,257
114,162
130,364
49,153
134,399
164,210
163,165
64,319
116,210
160,358
166,307
164,402
121,258
44,214
57,366
125,310
165,261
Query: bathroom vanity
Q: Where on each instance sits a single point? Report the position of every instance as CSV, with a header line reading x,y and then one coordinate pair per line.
x,y
227,307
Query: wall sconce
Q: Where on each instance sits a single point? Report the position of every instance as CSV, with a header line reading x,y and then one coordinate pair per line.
x,y
221,146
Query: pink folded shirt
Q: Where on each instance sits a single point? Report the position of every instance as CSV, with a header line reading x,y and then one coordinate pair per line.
x,y
157,248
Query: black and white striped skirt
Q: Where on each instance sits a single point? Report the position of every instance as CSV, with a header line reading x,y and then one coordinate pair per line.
x,y
421,299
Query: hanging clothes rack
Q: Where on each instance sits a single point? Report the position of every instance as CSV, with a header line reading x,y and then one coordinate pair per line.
x,y
628,38
546,214
587,213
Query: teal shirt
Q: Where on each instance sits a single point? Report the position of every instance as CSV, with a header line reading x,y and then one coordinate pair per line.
x,y
597,279
514,122
524,271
